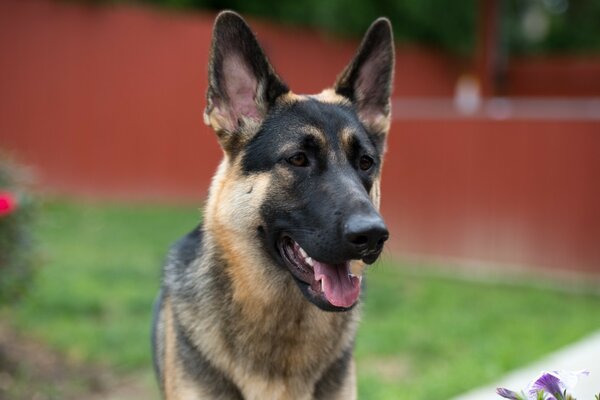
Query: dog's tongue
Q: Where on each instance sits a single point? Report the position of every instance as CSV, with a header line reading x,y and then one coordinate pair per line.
x,y
340,289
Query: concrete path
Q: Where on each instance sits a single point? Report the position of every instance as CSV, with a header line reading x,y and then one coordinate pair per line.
x,y
584,354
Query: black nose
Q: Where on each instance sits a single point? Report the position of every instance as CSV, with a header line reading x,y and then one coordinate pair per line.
x,y
366,234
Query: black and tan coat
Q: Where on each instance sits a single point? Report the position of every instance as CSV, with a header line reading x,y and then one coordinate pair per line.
x,y
260,301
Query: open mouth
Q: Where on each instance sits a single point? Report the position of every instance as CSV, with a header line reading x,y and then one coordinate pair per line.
x,y
333,283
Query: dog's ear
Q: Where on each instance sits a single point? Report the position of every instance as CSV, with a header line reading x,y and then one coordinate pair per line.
x,y
367,80
242,84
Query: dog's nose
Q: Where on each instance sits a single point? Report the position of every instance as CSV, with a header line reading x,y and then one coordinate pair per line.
x,y
366,233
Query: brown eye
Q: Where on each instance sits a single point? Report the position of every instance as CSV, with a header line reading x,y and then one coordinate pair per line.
x,y
365,163
298,160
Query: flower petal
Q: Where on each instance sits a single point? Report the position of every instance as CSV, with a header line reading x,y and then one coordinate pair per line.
x,y
550,383
569,378
8,203
509,394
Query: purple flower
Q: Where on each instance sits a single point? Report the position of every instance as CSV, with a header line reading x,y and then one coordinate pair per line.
x,y
547,386
555,383
509,394
549,383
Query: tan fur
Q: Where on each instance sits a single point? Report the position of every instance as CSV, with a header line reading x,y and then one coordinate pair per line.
x,y
346,138
216,120
228,212
231,211
357,267
245,327
376,193
221,122
331,97
318,135
378,123
348,392
291,97
176,386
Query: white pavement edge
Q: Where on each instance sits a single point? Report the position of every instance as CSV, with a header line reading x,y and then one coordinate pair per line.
x,y
584,354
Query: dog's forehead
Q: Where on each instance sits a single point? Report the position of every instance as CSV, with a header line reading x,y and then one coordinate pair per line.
x,y
325,122
327,116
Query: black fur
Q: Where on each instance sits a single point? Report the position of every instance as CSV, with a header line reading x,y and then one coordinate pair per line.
x,y
292,119
334,377
229,311
376,52
202,371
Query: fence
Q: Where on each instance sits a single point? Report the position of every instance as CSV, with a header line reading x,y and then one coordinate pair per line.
x,y
107,101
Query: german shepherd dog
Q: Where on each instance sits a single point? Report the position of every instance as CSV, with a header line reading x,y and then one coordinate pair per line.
x,y
260,301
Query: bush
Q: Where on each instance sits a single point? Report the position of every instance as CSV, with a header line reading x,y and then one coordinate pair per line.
x,y
17,250
569,26
447,25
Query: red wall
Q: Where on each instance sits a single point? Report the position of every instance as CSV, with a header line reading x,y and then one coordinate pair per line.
x,y
515,191
554,76
111,98
108,102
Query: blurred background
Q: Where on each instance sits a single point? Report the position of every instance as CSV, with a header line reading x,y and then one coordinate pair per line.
x,y
491,185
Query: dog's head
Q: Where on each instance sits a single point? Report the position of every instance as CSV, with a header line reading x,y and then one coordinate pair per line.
x,y
301,173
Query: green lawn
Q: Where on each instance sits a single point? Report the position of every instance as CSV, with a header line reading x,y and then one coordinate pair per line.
x,y
421,337
101,272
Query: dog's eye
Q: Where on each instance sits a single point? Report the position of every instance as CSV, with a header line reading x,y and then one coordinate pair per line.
x,y
298,160
365,163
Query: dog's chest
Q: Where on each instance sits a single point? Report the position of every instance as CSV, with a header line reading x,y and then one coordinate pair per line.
x,y
278,353
285,362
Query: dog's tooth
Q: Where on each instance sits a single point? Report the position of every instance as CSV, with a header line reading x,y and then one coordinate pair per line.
x,y
303,253
309,261
351,275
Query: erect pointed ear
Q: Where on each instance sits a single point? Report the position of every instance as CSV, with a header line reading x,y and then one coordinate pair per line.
x,y
242,84
367,80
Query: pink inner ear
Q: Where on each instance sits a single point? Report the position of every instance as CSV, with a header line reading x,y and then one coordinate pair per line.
x,y
241,87
369,85
365,84
370,90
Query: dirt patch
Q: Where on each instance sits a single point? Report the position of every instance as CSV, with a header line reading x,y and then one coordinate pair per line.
x,y
30,370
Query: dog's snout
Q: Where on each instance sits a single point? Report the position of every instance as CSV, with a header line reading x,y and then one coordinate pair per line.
x,y
366,234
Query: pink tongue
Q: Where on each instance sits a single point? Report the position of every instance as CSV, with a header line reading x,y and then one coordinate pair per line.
x,y
339,288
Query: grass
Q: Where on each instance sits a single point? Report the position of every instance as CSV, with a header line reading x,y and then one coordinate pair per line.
x,y
93,297
422,337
